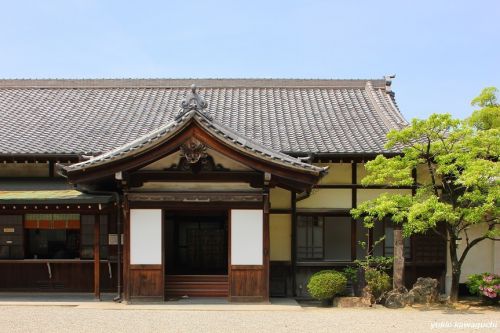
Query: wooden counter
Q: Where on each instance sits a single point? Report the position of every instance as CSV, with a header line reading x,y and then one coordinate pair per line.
x,y
65,275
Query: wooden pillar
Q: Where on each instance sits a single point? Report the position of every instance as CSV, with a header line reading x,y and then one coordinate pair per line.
x,y
126,248
399,257
266,243
412,239
354,204
97,256
294,243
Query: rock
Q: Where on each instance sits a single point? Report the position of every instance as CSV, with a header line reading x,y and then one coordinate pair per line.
x,y
424,291
397,298
351,302
367,296
444,299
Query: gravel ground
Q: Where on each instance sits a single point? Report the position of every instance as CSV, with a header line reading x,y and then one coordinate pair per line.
x,y
74,319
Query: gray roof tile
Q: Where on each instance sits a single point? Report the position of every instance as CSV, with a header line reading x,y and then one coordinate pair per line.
x,y
95,116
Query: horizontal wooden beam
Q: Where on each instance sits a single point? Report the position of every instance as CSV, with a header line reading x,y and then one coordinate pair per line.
x,y
359,186
255,179
196,197
149,267
203,206
246,267
54,208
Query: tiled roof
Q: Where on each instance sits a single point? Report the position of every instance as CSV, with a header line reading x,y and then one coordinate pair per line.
x,y
224,133
291,116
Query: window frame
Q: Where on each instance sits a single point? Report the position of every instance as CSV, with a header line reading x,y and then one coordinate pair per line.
x,y
312,222
353,237
338,213
104,220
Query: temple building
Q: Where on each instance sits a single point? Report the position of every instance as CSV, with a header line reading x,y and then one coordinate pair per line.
x,y
161,188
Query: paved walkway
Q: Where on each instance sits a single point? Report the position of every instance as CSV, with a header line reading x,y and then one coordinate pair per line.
x,y
40,313
87,301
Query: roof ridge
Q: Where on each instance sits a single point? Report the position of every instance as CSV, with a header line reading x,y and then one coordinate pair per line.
x,y
186,82
393,108
388,112
375,103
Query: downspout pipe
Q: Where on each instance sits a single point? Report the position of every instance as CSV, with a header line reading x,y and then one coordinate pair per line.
x,y
116,199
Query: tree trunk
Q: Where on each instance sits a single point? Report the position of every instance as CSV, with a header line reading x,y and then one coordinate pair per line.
x,y
399,258
455,280
455,270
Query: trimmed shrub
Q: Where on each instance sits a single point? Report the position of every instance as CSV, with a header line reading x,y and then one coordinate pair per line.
x,y
326,284
378,281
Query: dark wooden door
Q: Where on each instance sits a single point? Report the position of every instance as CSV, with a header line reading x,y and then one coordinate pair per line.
x,y
199,245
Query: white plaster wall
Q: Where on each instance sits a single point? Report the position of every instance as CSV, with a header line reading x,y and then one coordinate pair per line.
x,y
164,163
496,257
338,173
280,235
370,194
327,198
360,172
24,170
483,257
145,236
247,237
280,198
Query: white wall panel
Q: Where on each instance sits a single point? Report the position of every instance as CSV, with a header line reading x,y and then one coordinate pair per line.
x,y
247,237
145,236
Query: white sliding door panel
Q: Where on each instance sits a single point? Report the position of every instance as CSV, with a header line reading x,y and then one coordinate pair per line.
x,y
247,237
145,236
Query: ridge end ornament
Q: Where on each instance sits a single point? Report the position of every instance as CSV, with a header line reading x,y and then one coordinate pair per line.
x,y
193,101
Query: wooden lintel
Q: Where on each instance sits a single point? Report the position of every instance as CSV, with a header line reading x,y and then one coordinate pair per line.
x,y
196,197
360,186
137,178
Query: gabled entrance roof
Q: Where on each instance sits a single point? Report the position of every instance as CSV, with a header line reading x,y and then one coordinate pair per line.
x,y
192,122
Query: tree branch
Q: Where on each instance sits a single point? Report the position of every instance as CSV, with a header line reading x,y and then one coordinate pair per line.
x,y
439,233
466,236
429,166
474,242
471,244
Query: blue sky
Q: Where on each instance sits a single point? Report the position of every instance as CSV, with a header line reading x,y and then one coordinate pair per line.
x,y
443,52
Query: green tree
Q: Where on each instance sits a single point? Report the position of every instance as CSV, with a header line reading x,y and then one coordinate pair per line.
x,y
461,158
396,208
488,116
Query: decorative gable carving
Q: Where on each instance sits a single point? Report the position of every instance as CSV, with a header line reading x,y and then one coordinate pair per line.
x,y
193,150
194,158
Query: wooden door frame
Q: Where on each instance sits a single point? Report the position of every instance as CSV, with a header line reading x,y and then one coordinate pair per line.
x,y
264,292
139,268
223,212
164,207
